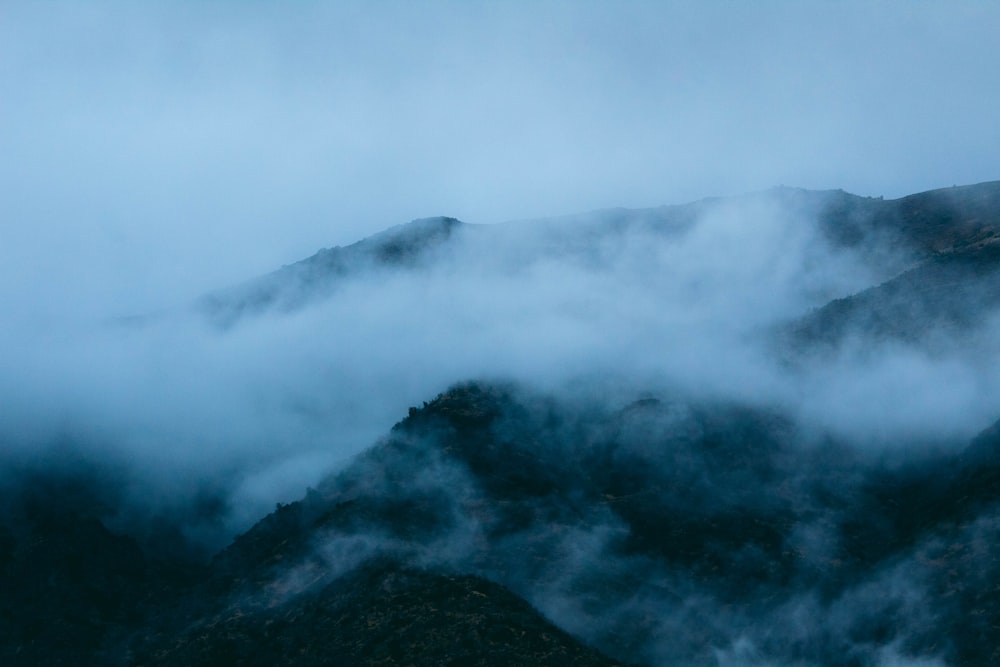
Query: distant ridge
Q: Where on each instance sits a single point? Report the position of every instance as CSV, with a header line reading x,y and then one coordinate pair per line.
x,y
916,227
295,285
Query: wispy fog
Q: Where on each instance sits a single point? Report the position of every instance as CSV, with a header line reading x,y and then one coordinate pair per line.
x,y
154,152
251,413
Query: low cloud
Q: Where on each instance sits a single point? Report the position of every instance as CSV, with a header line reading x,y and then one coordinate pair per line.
x,y
266,407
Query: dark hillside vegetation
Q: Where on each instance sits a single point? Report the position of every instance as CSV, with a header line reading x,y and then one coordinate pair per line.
x,y
394,559
622,517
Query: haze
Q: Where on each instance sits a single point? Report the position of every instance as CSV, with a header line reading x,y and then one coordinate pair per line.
x,y
152,152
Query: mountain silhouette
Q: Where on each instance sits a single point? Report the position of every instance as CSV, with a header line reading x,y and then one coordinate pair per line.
x,y
504,524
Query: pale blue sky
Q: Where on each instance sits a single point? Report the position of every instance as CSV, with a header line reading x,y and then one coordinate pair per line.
x,y
151,151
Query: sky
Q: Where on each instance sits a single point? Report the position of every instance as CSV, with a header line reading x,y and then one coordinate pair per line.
x,y
155,151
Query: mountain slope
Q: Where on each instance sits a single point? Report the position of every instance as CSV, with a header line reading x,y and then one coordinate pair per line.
x,y
663,500
932,254
298,284
380,614
661,504
950,294
952,289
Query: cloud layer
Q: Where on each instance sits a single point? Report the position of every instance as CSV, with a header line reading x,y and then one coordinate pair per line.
x,y
253,413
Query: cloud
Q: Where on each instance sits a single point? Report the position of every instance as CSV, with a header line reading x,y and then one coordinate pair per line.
x,y
155,153
592,306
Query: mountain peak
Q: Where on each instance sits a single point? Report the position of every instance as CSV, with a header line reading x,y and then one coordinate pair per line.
x,y
310,279
405,242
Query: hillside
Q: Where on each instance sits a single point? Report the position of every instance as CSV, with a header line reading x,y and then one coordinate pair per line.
x,y
753,430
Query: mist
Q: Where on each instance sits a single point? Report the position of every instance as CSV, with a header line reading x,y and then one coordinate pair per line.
x,y
157,157
254,412
154,153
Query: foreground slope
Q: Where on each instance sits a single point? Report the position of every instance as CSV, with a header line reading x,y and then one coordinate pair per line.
x,y
379,614
662,532
662,504
74,593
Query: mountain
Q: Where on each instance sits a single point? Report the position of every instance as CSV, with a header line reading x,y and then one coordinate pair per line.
x,y
940,226
379,614
298,284
661,532
601,517
75,593
613,521
955,291
952,285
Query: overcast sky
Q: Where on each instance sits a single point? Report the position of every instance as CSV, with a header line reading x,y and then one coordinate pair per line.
x,y
152,151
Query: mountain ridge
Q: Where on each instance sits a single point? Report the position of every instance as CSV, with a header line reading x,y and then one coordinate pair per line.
x,y
919,226
534,498
625,522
